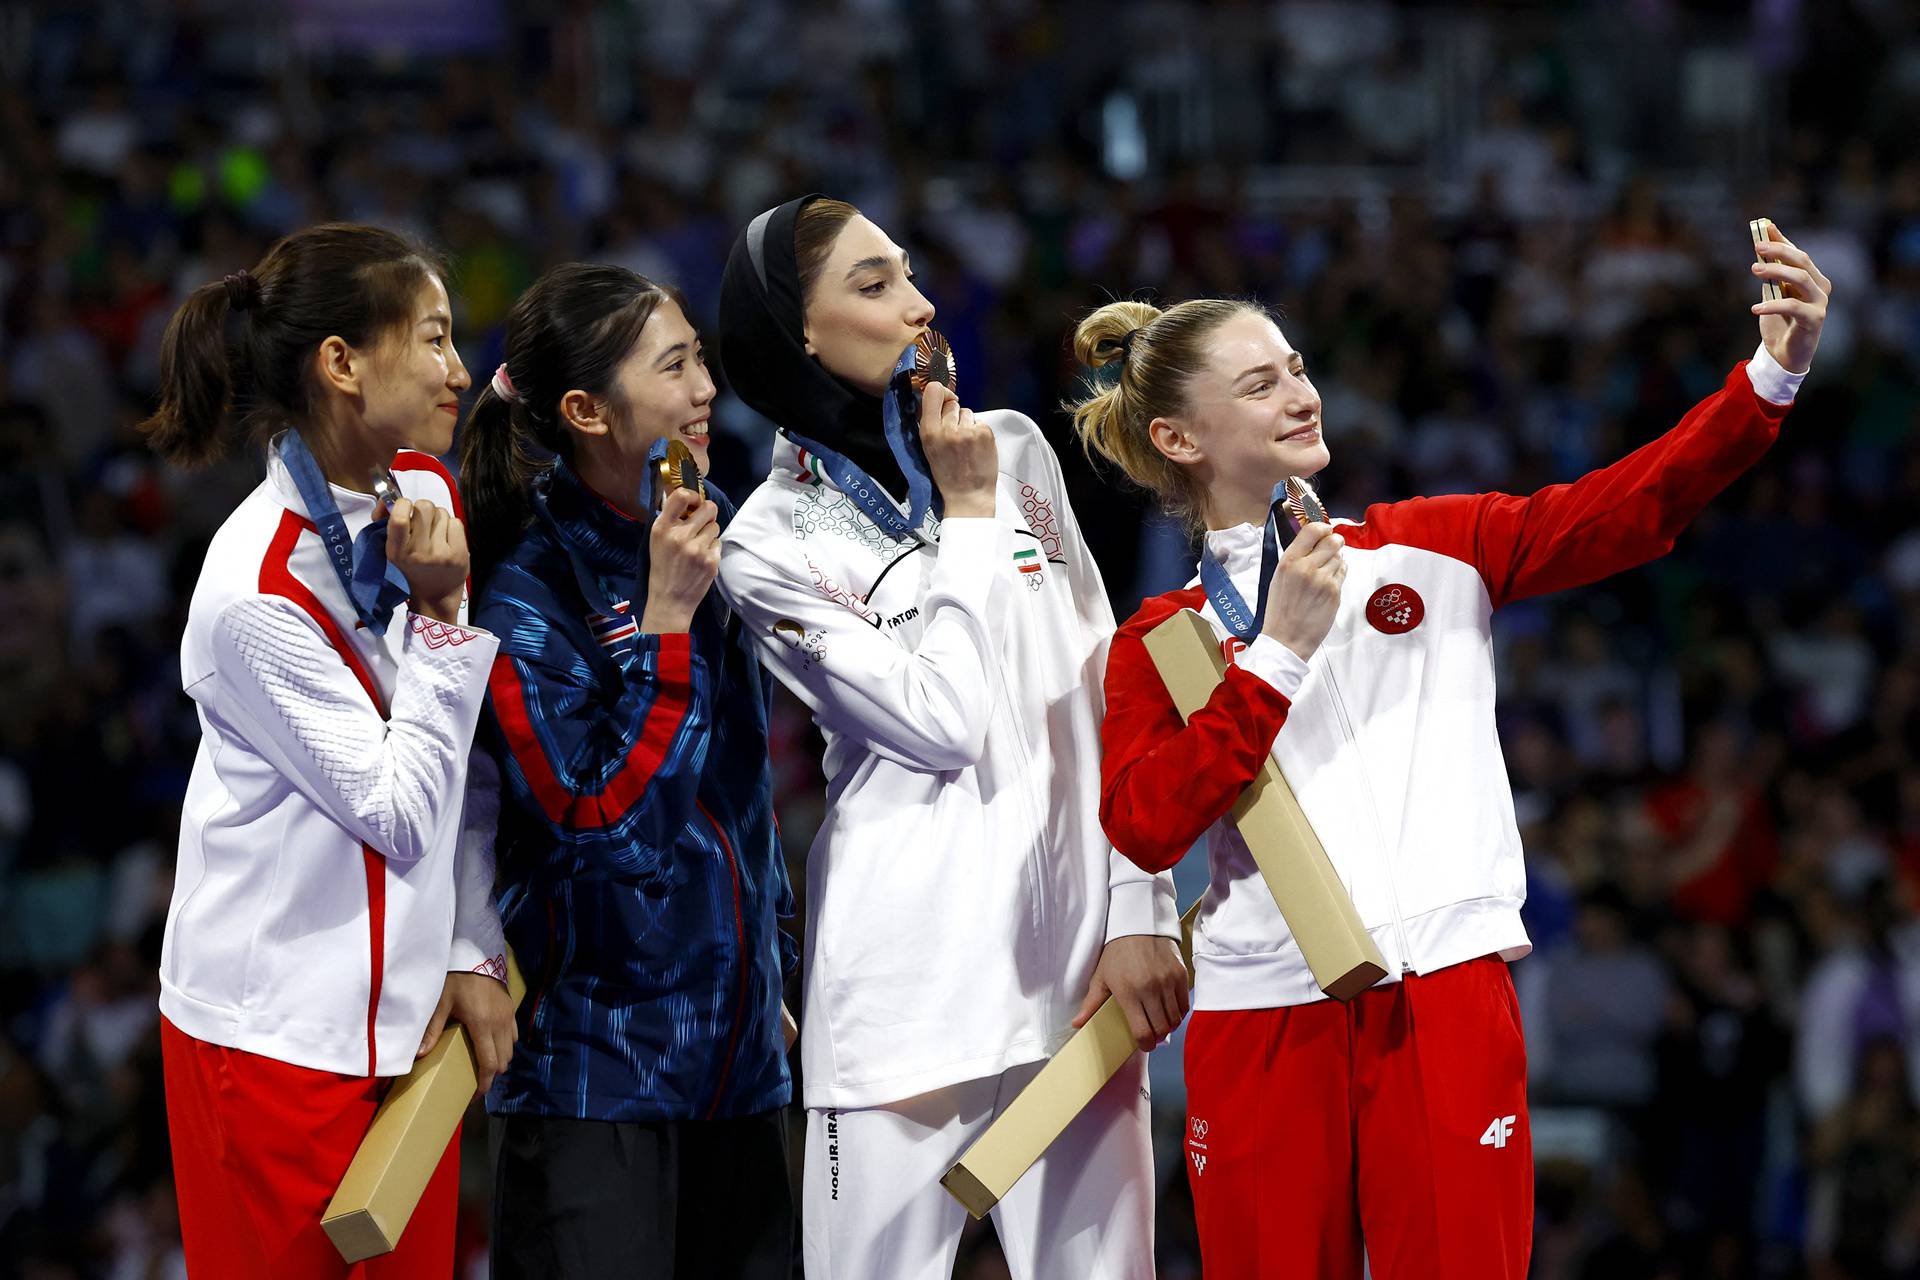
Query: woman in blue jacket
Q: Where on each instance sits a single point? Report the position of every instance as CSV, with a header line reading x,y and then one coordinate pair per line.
x,y
640,874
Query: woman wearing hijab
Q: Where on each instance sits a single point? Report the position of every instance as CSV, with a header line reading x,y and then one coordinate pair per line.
x,y
964,912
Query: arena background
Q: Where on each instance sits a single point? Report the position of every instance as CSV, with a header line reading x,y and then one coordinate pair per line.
x,y
1512,244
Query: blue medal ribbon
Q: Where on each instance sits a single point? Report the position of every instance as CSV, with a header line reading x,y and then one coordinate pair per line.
x,y
1225,597
897,406
375,587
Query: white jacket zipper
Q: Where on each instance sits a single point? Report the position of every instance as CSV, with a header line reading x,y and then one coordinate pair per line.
x,y
1373,814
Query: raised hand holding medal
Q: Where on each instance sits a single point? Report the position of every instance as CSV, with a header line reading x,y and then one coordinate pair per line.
x,y
1300,590
960,453
1303,593
683,547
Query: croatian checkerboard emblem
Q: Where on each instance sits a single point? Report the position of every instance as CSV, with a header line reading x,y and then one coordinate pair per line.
x,y
1396,609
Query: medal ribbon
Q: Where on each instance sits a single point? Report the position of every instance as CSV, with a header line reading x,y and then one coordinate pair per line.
x,y
896,407
1225,597
375,587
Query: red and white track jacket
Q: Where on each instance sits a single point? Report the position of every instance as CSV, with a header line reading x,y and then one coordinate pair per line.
x,y
1387,735
315,908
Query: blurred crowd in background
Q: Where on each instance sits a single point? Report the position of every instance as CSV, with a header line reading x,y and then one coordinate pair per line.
x,y
1511,244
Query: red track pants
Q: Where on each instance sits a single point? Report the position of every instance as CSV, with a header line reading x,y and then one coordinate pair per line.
x,y
1396,1124
259,1147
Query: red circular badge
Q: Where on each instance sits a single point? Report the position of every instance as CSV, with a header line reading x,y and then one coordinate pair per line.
x,y
1396,609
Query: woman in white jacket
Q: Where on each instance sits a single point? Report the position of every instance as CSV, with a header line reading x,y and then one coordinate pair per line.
x,y
1389,1133
328,915
964,912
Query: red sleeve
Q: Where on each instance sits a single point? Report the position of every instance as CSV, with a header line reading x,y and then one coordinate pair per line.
x,y
1163,783
1607,521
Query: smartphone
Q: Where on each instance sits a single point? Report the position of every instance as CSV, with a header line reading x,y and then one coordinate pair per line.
x,y
1761,229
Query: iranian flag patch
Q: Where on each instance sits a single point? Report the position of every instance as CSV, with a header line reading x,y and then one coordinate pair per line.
x,y
1029,561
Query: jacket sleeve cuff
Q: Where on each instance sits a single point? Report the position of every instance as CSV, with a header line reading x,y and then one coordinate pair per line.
x,y
1772,382
470,957
1281,668
1143,906
466,650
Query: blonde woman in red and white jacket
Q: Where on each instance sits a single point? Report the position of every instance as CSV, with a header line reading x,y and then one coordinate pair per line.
x,y
1396,1125
329,914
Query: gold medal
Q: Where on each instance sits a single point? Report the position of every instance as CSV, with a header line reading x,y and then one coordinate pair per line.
x,y
678,470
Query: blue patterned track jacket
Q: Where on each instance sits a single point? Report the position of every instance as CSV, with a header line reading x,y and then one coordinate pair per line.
x,y
641,876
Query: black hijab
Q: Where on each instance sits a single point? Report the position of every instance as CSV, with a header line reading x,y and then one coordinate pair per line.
x,y
764,352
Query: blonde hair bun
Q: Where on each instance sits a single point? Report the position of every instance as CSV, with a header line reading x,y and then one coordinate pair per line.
x,y
1101,336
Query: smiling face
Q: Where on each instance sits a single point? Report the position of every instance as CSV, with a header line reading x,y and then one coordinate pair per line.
x,y
414,378
863,310
1252,419
660,390
663,387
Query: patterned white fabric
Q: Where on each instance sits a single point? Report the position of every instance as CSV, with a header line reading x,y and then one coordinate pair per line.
x,y
270,945
960,889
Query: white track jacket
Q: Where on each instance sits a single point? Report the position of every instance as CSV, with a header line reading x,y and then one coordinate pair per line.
x,y
316,906
960,889
1387,734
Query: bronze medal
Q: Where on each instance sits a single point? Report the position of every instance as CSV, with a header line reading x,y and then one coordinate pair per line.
x,y
932,361
1303,504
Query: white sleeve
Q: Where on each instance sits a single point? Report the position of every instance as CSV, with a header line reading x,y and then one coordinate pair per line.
x,y
1138,901
926,708
1772,381
1283,670
394,783
479,944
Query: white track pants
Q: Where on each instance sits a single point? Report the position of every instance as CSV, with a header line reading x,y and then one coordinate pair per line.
x,y
874,1208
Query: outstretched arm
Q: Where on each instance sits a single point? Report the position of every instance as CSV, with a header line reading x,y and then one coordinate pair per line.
x,y
1624,515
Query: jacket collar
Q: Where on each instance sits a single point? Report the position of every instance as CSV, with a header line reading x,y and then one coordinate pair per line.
x,y
357,508
1237,548
605,540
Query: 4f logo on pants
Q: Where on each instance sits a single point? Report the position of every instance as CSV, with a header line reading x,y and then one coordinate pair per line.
x,y
1498,1132
1197,1144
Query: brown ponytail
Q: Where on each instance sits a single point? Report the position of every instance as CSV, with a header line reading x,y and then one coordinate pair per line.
x,y
189,428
